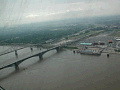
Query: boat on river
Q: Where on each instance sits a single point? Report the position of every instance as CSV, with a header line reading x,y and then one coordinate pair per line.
x,y
90,52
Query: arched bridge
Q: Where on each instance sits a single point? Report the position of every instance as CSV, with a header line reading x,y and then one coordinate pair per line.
x,y
40,55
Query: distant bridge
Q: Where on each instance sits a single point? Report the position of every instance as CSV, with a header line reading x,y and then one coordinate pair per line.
x,y
16,48
40,54
11,50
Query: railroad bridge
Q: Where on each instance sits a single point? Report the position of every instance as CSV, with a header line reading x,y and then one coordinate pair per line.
x,y
40,55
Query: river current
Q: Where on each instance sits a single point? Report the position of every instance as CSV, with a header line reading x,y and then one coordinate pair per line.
x,y
62,71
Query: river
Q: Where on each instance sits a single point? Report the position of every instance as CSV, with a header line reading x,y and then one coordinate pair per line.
x,y
62,71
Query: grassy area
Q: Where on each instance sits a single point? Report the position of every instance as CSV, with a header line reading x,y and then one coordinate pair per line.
x,y
116,34
82,35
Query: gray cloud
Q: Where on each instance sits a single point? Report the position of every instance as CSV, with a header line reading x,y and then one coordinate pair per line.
x,y
2,6
26,11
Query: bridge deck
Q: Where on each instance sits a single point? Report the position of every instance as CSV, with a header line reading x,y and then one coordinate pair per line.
x,y
13,48
10,51
22,57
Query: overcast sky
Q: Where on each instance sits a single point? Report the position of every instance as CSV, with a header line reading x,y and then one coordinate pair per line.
x,y
26,11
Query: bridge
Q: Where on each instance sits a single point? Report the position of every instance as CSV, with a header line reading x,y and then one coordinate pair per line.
x,y
39,54
11,50
17,47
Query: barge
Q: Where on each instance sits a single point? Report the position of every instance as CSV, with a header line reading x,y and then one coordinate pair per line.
x,y
90,52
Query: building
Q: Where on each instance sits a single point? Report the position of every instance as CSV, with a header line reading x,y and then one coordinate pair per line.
x,y
86,44
110,41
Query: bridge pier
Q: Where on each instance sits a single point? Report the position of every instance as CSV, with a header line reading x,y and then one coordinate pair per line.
x,y
16,66
16,53
58,49
41,57
31,49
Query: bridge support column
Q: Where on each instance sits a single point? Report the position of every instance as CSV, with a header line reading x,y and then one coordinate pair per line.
x,y
40,57
16,53
40,48
58,49
16,66
31,49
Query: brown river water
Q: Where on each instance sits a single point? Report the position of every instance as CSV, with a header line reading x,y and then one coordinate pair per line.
x,y
63,71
